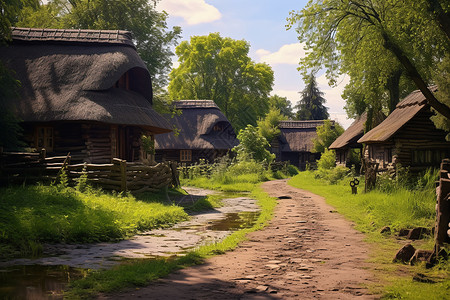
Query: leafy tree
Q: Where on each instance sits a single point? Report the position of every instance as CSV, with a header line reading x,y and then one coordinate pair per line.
x,y
442,79
252,145
376,42
326,135
218,68
311,105
283,105
268,126
152,38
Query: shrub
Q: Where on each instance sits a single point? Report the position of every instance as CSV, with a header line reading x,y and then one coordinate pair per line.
x,y
327,160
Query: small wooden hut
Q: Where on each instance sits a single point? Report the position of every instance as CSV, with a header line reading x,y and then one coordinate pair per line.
x,y
407,136
348,141
204,133
86,92
295,142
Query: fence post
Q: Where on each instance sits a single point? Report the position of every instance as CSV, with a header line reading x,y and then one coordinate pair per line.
x,y
123,175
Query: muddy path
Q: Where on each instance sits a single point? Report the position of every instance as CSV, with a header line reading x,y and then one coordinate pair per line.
x,y
306,252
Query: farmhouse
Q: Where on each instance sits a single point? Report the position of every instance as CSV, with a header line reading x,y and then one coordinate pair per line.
x,y
407,137
86,92
348,141
295,142
204,133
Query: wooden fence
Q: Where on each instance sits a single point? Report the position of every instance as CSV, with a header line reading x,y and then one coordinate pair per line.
x,y
120,175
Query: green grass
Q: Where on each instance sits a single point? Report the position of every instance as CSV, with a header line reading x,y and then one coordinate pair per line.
x,y
32,215
139,273
372,211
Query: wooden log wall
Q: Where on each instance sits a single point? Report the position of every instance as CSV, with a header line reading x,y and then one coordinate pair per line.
x,y
98,143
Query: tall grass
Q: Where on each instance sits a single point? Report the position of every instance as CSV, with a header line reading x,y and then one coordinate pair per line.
x,y
32,215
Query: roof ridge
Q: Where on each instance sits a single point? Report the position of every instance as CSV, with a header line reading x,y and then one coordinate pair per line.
x,y
121,37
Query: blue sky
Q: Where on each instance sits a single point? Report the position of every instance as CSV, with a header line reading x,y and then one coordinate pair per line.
x,y
262,24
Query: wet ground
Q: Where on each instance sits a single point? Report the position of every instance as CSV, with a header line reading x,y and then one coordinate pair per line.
x,y
45,277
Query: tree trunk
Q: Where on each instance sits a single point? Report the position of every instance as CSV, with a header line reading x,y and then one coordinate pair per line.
x,y
393,86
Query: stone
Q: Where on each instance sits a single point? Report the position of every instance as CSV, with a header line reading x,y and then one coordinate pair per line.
x,y
417,233
420,255
403,232
385,229
405,253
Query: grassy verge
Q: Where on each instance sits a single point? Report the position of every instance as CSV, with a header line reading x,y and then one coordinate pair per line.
x,y
139,273
399,209
33,215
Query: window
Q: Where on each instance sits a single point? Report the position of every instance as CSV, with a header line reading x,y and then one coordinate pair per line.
x,y
218,127
123,82
44,138
185,155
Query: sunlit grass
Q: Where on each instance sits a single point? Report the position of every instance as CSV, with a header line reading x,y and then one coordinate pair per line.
x,y
33,215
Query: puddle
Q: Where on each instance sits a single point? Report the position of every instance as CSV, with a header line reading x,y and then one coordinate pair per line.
x,y
235,221
36,282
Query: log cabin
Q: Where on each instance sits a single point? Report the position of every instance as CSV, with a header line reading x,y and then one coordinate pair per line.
x,y
407,137
348,141
295,143
86,92
204,133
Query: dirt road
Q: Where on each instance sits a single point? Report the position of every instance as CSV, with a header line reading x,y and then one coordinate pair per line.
x,y
307,252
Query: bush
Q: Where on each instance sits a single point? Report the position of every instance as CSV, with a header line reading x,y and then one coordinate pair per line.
x,y
327,160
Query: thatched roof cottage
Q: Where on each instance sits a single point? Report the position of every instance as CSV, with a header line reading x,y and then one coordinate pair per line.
x,y
407,136
295,142
86,92
204,133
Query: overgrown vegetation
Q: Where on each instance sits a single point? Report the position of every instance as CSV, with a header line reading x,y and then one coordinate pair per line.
x,y
32,215
401,203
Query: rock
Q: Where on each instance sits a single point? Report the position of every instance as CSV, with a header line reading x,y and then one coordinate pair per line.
x,y
403,232
420,255
385,229
284,197
417,233
405,253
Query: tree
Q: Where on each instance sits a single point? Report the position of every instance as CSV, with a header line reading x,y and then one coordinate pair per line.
x,y
149,28
282,104
326,135
311,105
376,42
268,126
219,69
253,145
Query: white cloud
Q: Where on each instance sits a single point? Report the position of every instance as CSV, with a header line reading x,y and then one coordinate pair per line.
x,y
287,54
291,95
192,11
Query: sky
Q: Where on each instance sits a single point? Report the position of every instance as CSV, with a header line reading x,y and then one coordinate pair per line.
x,y
262,23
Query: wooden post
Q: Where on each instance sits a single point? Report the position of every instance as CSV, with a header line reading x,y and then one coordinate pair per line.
x,y
123,175
441,230
43,153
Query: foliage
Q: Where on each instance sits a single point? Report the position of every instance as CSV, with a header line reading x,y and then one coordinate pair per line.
x,y
149,27
327,160
310,106
37,214
326,135
252,145
10,12
283,105
377,43
442,78
372,211
218,68
268,126
327,170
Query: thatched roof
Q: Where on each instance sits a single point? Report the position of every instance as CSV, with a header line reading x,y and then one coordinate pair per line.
x,y
69,75
297,136
404,112
353,133
196,124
